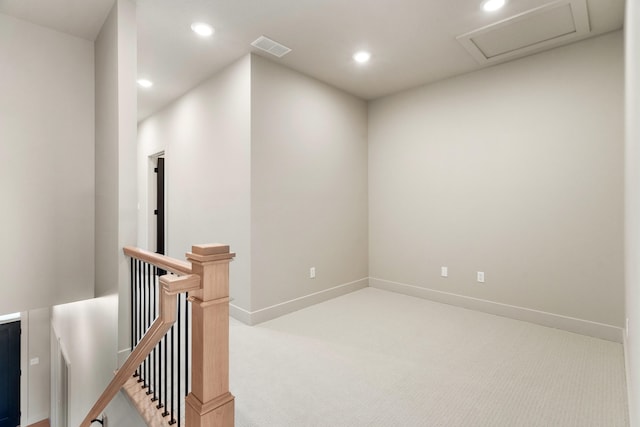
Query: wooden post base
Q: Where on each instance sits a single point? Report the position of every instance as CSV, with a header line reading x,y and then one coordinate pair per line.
x,y
219,412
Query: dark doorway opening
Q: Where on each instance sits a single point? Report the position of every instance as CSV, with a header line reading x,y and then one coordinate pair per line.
x,y
10,374
159,211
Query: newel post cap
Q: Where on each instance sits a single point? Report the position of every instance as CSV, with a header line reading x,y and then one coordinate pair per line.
x,y
210,252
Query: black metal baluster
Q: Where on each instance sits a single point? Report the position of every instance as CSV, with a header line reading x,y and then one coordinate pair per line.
x,y
179,396
145,316
150,309
134,313
187,364
147,309
159,367
143,319
166,376
159,405
131,296
173,385
154,358
141,293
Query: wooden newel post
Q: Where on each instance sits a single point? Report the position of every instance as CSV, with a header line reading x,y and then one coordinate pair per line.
x,y
210,404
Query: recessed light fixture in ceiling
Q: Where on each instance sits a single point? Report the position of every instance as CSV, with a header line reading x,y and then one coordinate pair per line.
x,y
362,57
493,5
202,29
145,83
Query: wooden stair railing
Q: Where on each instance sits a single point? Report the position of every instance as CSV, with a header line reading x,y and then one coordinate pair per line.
x,y
206,278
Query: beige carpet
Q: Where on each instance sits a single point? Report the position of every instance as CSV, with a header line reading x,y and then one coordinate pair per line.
x,y
375,358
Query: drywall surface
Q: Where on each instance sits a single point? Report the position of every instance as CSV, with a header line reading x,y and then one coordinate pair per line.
x,y
84,332
106,159
46,166
632,212
116,152
121,413
205,136
308,185
38,364
515,171
127,160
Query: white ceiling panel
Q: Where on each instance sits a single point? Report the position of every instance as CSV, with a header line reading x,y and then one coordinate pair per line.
x,y
412,42
551,25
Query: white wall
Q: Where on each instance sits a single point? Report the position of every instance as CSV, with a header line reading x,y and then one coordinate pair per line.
x,y
632,212
116,132
515,170
205,135
47,110
273,163
89,331
106,158
85,330
308,185
126,169
38,327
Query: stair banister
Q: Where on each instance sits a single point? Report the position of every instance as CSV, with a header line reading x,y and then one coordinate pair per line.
x,y
206,279
210,403
171,287
163,262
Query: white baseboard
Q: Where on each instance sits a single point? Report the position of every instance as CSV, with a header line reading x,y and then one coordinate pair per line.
x,y
579,326
240,314
277,310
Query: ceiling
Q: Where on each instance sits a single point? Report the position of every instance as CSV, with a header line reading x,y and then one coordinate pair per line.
x,y
80,18
412,42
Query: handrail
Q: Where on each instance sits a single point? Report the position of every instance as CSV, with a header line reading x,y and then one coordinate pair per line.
x,y
171,287
164,262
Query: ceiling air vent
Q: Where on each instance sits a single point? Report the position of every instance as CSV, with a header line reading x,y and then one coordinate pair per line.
x,y
270,46
544,27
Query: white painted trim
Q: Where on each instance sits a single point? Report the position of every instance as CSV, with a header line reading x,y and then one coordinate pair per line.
x,y
571,324
240,314
627,371
53,359
24,366
8,318
277,310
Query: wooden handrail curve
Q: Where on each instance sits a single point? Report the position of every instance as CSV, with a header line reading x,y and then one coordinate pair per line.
x,y
171,287
164,262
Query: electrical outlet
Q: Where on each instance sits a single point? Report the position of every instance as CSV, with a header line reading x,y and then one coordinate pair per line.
x,y
312,273
481,276
34,361
444,271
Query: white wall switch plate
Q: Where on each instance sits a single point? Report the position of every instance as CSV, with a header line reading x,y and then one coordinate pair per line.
x,y
481,276
34,361
444,271
312,273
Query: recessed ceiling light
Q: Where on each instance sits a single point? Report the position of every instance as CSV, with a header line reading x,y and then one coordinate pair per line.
x,y
145,83
362,56
202,29
493,5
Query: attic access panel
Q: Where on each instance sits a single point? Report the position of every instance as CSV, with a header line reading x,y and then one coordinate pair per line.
x,y
547,26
